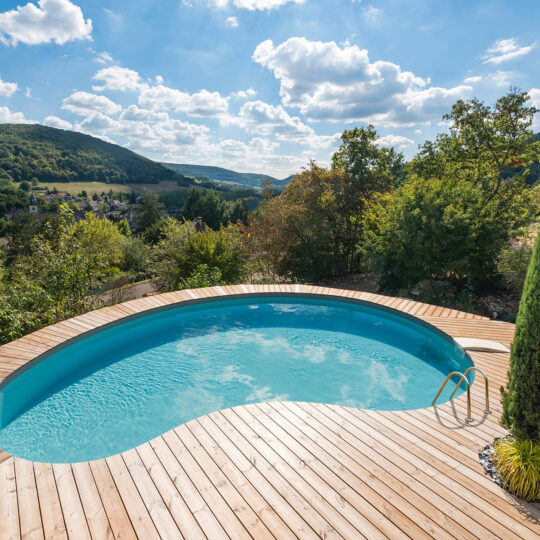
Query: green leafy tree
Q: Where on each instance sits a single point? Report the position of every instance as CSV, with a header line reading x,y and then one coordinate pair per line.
x,y
484,143
441,229
175,236
521,399
374,168
312,229
223,249
150,212
206,204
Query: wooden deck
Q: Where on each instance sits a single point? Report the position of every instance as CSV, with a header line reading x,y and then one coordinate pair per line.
x,y
281,469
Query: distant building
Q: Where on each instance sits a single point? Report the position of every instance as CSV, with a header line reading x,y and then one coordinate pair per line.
x,y
33,207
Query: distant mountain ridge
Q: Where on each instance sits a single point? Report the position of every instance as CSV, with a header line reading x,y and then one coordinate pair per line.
x,y
219,174
49,154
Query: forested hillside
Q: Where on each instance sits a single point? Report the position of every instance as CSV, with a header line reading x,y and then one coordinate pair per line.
x,y
30,151
225,175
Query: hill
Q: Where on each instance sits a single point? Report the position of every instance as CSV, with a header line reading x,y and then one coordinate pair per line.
x,y
30,151
218,174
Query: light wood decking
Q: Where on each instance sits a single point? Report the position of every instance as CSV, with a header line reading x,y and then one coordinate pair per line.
x,y
281,469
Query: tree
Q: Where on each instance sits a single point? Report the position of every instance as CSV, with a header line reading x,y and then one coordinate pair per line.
x,y
312,229
440,229
521,399
373,167
206,204
484,143
150,212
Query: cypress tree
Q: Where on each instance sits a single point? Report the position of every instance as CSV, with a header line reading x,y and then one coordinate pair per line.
x,y
521,400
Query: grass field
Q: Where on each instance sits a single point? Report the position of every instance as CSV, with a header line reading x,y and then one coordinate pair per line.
x,y
74,188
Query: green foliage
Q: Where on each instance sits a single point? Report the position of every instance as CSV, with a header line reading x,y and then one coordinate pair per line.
x,y
221,249
55,281
518,463
521,399
513,262
484,144
202,276
373,167
214,210
150,212
11,196
135,256
55,155
312,229
173,241
441,229
206,204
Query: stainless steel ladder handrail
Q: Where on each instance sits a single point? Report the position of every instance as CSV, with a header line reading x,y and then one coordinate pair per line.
x,y
462,378
486,384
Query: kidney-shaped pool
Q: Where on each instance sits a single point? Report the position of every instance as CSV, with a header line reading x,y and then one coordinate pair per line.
x,y
127,383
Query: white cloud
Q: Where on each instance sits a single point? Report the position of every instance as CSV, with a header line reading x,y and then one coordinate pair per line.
x,y
506,49
104,58
244,94
28,92
232,22
472,80
202,103
7,89
395,141
501,78
336,84
418,131
54,121
253,5
84,103
118,78
263,119
10,117
371,14
57,21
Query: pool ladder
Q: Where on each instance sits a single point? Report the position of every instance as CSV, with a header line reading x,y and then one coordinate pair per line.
x,y
463,378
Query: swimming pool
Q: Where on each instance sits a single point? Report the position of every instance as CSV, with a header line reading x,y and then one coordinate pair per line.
x,y
130,382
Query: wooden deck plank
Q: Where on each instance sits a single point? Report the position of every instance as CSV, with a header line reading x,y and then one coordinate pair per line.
x,y
9,506
131,499
226,515
28,502
250,519
261,467
76,522
111,500
96,517
52,517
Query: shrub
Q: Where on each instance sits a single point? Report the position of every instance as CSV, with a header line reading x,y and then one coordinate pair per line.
x,y
521,399
441,229
513,263
518,464
202,276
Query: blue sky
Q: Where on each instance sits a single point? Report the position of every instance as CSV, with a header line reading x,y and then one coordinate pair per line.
x,y
259,85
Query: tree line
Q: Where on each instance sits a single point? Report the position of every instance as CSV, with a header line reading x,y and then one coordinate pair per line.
x,y
452,215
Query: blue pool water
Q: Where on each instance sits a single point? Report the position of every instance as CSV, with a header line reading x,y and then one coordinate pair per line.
x,y
127,384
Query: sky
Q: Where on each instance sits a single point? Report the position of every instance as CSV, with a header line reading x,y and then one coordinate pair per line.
x,y
260,85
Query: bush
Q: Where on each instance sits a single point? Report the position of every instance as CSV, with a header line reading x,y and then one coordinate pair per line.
x,y
518,464
441,229
223,250
513,263
521,399
202,276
